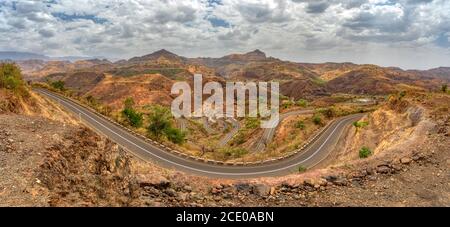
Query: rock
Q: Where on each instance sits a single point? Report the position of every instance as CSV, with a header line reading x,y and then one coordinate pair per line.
x,y
341,181
215,191
383,169
187,188
331,178
261,190
405,160
309,182
171,192
183,196
154,180
272,191
397,167
243,187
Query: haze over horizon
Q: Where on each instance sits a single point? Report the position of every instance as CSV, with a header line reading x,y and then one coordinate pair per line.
x,y
411,34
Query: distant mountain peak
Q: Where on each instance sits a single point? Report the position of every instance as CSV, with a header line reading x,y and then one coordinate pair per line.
x,y
256,55
156,55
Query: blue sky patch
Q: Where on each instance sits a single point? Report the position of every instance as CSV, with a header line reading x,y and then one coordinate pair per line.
x,y
217,22
72,17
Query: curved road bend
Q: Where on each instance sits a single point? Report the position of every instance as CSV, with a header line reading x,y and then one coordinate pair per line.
x,y
270,132
310,157
229,135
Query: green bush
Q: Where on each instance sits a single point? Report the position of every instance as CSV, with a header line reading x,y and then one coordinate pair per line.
x,y
364,152
160,120
11,78
317,119
360,124
59,85
444,88
300,125
302,103
302,169
133,117
175,135
252,123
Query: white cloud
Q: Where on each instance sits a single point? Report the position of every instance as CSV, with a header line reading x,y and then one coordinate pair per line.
x,y
401,33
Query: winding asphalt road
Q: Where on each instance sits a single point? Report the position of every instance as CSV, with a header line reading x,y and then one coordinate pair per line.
x,y
231,133
310,157
270,132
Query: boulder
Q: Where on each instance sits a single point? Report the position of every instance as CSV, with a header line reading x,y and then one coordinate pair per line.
x,y
261,189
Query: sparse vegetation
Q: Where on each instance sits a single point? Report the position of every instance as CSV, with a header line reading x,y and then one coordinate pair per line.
x,y
161,125
444,88
252,123
317,119
58,85
364,152
360,124
232,153
302,103
302,169
133,117
300,125
11,78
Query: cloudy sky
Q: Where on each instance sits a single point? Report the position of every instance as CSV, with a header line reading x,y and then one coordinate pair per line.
x,y
404,33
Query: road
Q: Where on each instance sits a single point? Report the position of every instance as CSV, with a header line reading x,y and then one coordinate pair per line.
x,y
310,157
270,132
229,135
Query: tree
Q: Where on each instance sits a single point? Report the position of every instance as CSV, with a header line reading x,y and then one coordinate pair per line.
x,y
11,78
444,88
159,121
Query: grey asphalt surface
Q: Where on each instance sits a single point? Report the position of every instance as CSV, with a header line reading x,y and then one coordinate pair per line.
x,y
233,131
269,133
310,157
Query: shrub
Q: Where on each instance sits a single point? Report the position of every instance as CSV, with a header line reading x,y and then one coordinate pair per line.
x,y
328,112
302,103
133,117
300,125
234,152
59,85
159,121
317,119
175,135
252,123
11,78
402,94
360,124
364,152
302,169
444,88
